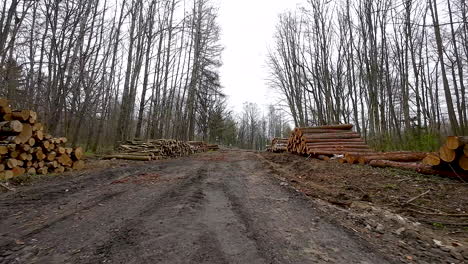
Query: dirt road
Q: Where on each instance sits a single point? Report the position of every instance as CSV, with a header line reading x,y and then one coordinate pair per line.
x,y
211,208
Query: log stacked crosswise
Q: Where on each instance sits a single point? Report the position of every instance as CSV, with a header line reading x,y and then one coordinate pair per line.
x,y
279,145
212,147
198,146
155,149
26,148
326,141
346,146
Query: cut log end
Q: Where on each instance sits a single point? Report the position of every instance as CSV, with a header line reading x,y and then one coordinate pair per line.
x,y
432,160
446,154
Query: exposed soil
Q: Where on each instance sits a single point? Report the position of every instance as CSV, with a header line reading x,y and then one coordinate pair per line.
x,y
229,207
422,218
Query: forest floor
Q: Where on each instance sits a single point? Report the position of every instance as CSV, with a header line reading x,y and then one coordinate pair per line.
x,y
234,207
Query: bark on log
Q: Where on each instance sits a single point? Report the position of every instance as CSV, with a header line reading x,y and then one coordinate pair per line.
x,y
340,127
307,131
418,167
341,149
408,157
337,140
348,144
351,159
345,135
337,146
334,152
128,157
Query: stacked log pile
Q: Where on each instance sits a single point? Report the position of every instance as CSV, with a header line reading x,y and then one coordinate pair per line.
x,y
26,148
326,141
450,161
151,150
201,146
323,142
198,146
399,156
213,147
278,145
453,154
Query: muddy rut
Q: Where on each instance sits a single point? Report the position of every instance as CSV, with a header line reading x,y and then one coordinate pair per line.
x,y
222,207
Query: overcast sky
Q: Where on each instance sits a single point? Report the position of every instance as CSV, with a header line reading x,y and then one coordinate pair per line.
x,y
247,31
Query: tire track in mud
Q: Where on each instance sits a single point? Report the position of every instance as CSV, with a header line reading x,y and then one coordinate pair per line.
x,y
39,199
49,192
229,233
124,242
244,216
9,248
220,208
101,199
288,236
34,201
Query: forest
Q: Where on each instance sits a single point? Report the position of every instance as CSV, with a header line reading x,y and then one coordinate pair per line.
x,y
101,72
395,69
